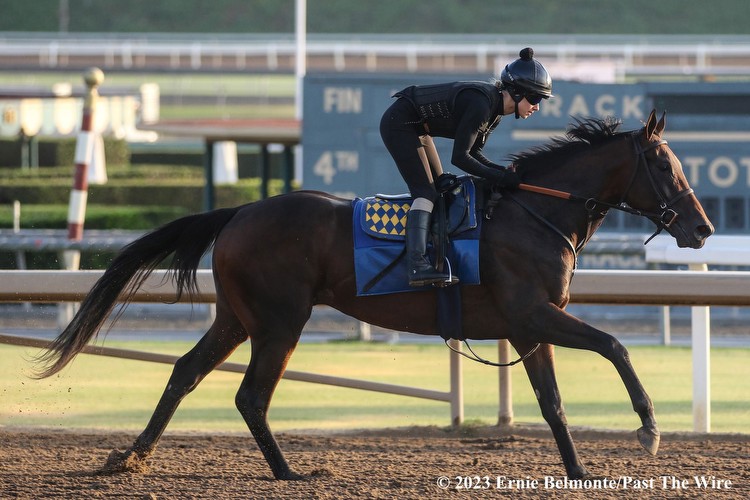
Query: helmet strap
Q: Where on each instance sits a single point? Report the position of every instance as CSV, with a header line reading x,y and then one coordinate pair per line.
x,y
516,99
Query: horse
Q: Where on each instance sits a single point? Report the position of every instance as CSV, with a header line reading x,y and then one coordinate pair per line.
x,y
273,260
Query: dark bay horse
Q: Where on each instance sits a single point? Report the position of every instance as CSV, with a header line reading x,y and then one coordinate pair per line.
x,y
275,259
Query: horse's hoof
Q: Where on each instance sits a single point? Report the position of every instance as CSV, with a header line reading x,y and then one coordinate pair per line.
x,y
119,462
290,476
579,473
649,439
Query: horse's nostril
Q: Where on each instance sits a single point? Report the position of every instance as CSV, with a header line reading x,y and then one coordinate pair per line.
x,y
702,232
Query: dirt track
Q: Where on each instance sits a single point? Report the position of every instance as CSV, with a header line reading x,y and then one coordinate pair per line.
x,y
379,464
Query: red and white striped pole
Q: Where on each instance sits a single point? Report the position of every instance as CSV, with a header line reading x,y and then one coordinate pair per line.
x,y
83,156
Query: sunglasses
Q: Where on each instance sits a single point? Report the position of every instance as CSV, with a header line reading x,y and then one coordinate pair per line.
x,y
533,99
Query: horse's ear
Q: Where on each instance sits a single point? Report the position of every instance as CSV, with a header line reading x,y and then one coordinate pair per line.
x,y
650,125
662,123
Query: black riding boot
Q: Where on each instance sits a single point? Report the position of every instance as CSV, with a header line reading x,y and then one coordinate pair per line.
x,y
421,272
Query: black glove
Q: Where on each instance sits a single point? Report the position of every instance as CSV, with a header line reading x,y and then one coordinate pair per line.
x,y
507,179
446,182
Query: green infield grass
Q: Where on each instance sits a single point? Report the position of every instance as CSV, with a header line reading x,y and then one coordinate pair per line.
x,y
110,393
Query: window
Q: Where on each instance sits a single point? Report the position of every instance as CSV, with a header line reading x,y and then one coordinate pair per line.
x,y
734,213
713,210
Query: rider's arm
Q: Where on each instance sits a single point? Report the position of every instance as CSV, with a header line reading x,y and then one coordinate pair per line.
x,y
467,144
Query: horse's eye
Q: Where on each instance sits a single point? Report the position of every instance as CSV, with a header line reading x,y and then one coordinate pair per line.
x,y
665,166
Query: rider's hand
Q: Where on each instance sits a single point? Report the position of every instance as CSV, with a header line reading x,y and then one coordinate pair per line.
x,y
507,179
446,182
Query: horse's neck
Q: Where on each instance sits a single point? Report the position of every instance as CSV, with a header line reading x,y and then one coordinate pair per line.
x,y
602,174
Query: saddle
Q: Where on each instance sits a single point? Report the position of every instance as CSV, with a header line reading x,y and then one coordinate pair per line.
x,y
385,215
380,229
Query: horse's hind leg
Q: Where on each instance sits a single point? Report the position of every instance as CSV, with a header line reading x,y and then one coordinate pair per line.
x,y
267,365
540,367
217,344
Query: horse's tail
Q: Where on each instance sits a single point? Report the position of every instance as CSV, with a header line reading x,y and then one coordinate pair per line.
x,y
188,238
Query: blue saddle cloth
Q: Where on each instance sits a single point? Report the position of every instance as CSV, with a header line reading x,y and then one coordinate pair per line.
x,y
379,232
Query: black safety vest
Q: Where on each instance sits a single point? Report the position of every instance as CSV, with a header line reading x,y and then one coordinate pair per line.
x,y
435,105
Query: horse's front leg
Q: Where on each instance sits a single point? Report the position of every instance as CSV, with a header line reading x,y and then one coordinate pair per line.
x,y
550,324
540,367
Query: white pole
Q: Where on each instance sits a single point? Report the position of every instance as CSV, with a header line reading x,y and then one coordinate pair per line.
x,y
701,345
16,216
505,413
666,326
457,384
365,332
300,68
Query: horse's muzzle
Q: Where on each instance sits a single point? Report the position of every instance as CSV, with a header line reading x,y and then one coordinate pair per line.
x,y
702,232
691,239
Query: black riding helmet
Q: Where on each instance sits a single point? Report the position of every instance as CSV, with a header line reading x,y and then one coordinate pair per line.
x,y
526,77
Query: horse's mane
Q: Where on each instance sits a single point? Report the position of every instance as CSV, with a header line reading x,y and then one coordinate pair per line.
x,y
579,136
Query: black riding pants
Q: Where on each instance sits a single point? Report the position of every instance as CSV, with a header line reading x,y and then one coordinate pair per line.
x,y
404,136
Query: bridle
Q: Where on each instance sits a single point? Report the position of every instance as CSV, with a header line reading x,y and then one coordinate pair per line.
x,y
662,219
668,215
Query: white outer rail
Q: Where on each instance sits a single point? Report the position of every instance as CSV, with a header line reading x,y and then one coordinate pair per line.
x,y
696,288
636,53
589,286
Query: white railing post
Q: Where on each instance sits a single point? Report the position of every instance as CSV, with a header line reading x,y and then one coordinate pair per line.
x,y
505,413
456,385
666,326
701,346
364,331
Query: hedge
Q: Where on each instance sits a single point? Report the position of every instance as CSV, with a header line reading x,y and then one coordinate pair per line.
x,y
129,185
136,197
97,216
60,151
189,197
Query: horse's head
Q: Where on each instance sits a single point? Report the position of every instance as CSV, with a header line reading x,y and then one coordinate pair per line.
x,y
660,188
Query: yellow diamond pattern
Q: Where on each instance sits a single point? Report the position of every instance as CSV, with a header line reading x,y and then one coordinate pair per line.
x,y
385,217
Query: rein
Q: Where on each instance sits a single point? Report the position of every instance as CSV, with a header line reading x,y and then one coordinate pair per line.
x,y
476,357
663,220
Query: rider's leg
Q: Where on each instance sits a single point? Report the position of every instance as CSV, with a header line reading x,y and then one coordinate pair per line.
x,y
413,155
421,271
